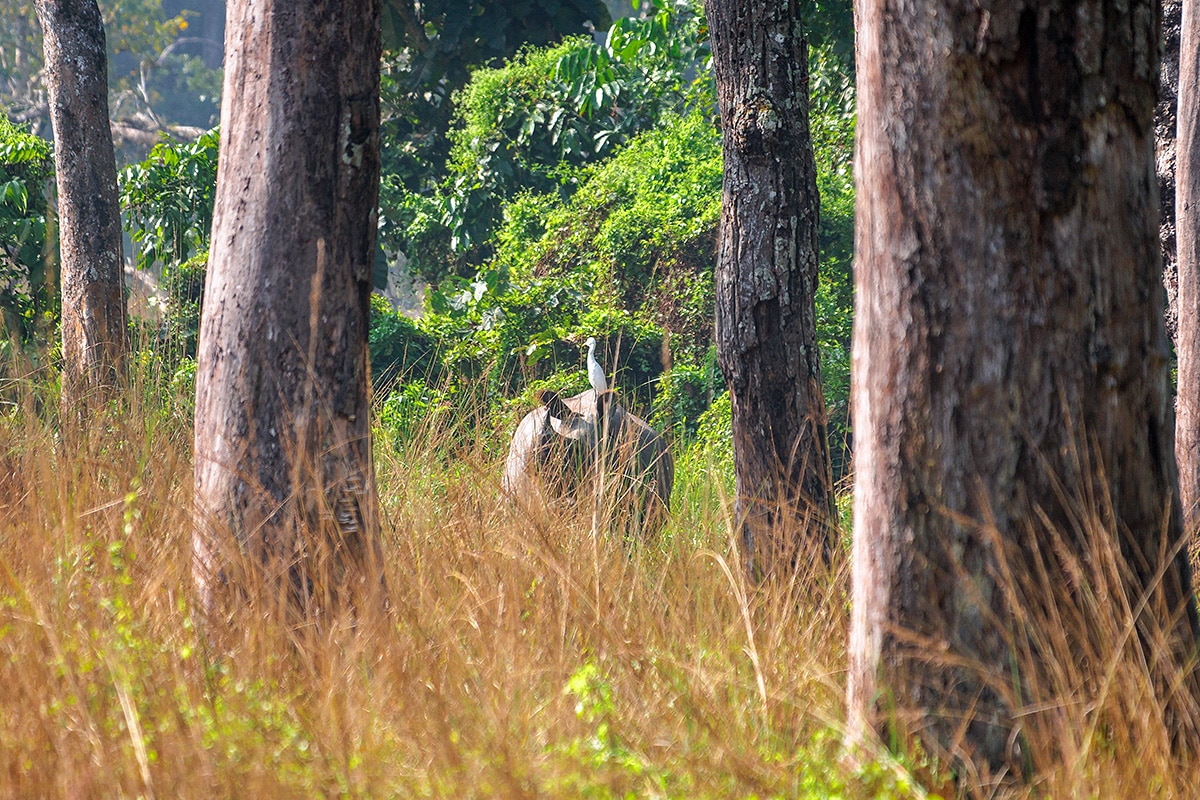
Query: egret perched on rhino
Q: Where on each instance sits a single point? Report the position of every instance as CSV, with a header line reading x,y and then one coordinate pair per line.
x,y
594,370
589,442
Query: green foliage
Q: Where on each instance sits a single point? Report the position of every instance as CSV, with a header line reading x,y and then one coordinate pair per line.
x,y
582,202
601,749
529,125
829,25
637,235
832,121
685,393
431,49
184,287
714,433
414,407
400,350
629,258
28,292
168,200
512,335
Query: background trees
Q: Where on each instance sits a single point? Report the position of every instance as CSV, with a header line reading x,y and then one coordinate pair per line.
x,y
1011,394
164,59
93,307
282,431
766,279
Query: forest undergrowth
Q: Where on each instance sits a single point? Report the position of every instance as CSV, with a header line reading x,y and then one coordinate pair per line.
x,y
517,655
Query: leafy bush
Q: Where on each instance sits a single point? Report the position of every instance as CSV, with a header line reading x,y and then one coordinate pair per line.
x,y
184,287
685,393
168,200
429,56
410,409
630,255
400,349
28,291
832,121
637,235
529,125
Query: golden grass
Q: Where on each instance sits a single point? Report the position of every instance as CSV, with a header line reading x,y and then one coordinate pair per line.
x,y
519,656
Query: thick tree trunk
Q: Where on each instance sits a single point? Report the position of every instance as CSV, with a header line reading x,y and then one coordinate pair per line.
x,y
93,302
283,456
767,280
1187,238
1011,391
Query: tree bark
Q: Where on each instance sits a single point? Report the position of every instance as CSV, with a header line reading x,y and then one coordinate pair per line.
x,y
1011,392
93,302
283,457
1187,238
1164,140
766,280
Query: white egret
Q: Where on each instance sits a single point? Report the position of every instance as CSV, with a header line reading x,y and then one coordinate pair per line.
x,y
594,370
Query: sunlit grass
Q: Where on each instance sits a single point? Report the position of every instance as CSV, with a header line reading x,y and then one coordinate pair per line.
x,y
518,655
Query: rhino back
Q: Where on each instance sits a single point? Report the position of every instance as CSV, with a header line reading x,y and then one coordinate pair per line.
x,y
522,454
654,458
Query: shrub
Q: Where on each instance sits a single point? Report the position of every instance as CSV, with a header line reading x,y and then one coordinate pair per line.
x,y
28,290
184,287
685,394
529,125
168,200
412,408
400,349
637,236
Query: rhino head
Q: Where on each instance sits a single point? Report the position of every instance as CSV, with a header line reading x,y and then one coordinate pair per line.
x,y
591,442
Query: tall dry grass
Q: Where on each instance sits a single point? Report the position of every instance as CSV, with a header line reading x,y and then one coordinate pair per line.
x,y
518,655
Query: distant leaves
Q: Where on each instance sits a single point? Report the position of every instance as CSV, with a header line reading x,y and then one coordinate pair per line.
x,y
532,123
25,167
168,200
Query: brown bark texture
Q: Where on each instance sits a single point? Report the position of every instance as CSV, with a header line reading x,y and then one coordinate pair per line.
x,y
1164,141
1011,393
1187,239
93,302
283,474
766,281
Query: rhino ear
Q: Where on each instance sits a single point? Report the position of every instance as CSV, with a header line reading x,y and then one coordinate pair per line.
x,y
554,404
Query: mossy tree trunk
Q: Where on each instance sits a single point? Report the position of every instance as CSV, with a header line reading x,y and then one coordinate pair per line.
x,y
1011,393
93,302
766,282
284,475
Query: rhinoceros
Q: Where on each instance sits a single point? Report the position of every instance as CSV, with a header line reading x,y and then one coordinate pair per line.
x,y
590,443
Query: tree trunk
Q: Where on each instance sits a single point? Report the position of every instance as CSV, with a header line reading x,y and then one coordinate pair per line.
x,y
1011,393
767,279
1164,141
93,301
1187,238
283,458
